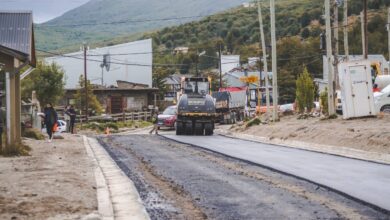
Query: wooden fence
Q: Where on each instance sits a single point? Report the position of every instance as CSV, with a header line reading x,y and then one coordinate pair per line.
x,y
131,116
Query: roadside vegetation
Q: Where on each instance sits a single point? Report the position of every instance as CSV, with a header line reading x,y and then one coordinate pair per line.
x,y
114,127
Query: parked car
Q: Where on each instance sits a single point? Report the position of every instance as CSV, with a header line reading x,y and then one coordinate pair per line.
x,y
61,127
168,118
382,100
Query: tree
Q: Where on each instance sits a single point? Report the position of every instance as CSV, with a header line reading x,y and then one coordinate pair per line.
x,y
159,75
305,33
305,91
93,103
47,81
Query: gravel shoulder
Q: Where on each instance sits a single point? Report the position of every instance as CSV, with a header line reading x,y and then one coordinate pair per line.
x,y
177,181
56,182
366,138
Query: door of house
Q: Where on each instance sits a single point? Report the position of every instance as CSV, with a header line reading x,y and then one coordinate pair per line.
x,y
116,104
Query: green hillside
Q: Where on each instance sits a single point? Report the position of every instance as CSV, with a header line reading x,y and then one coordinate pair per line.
x,y
100,20
299,25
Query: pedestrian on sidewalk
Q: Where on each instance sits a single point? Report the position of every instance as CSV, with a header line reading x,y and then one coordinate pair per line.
x,y
51,119
155,123
2,124
72,114
67,118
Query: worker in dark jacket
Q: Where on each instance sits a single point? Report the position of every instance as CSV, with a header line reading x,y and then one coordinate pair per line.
x,y
51,119
2,125
72,113
155,122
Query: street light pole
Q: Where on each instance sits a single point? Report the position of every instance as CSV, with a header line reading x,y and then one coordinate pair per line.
x,y
264,49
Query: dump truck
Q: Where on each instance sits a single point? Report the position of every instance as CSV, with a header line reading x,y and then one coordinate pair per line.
x,y
230,105
196,108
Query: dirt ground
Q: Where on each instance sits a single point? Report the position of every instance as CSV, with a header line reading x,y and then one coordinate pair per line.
x,y
55,182
367,134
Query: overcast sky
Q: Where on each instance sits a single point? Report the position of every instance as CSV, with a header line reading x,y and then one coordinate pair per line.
x,y
43,10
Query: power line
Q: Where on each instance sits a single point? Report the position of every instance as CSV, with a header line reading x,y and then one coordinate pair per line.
x,y
118,63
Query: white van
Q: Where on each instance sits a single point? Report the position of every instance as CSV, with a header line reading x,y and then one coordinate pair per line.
x,y
382,100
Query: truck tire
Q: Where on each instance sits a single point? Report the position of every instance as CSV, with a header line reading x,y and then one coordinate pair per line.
x,y
188,129
179,128
208,128
198,129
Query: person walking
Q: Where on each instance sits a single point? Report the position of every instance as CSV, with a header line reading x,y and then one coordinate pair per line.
x,y
2,124
72,114
51,119
155,123
67,118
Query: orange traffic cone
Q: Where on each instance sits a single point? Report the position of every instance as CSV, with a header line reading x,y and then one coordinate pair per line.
x,y
107,131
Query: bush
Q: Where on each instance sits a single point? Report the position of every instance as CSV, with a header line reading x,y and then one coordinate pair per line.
x,y
305,92
33,133
19,149
255,121
324,101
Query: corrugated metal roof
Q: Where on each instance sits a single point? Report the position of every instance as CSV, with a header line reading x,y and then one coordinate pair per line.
x,y
16,31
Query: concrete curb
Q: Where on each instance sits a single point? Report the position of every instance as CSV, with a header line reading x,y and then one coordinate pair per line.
x,y
117,196
381,158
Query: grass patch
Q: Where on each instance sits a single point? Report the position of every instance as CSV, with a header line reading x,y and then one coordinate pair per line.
x,y
114,126
33,133
16,150
253,122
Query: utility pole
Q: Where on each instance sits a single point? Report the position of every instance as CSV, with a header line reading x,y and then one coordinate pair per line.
x,y
220,66
365,29
85,81
331,103
346,43
336,43
275,94
388,32
363,35
264,49
336,27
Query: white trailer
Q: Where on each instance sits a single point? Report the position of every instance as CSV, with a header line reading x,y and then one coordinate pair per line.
x,y
356,89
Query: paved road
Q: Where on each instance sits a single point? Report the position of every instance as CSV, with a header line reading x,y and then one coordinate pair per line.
x,y
177,181
363,180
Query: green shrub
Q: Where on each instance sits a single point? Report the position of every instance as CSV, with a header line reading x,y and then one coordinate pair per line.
x,y
112,125
33,133
252,122
305,91
324,101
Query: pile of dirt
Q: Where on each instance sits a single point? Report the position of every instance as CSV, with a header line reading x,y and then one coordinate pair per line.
x,y
368,134
55,182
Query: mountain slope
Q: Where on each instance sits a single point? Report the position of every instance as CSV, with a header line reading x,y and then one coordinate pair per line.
x,y
85,22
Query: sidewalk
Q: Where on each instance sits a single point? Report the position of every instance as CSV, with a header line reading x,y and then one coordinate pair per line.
x,y
117,196
322,148
70,178
55,182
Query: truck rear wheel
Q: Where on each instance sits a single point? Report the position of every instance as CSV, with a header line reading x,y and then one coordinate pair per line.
x,y
188,129
179,128
209,130
198,129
